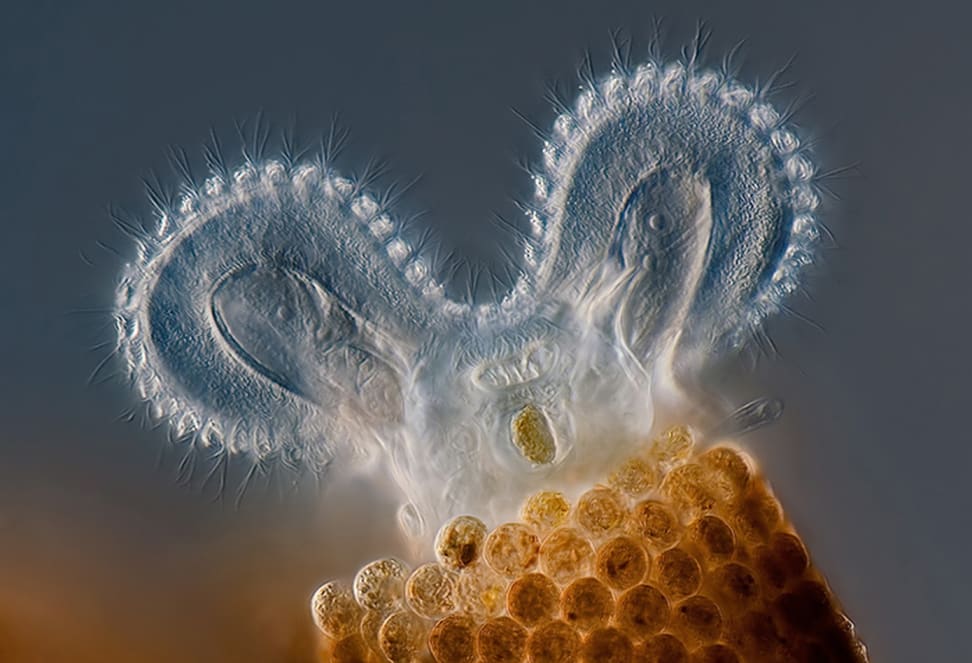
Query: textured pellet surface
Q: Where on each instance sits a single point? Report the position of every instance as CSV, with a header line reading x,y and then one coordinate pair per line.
x,y
679,557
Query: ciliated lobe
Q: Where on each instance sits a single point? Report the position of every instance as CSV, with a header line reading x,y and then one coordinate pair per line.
x,y
278,311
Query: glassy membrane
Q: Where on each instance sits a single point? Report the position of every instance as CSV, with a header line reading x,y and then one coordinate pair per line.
x,y
278,311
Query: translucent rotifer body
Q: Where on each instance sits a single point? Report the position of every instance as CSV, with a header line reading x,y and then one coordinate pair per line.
x,y
278,310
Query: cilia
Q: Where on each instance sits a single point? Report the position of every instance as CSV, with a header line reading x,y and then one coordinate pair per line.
x,y
277,311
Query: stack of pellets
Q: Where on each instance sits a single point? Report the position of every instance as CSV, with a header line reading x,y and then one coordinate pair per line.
x,y
680,557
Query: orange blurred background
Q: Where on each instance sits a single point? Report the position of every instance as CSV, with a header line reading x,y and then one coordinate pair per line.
x,y
138,568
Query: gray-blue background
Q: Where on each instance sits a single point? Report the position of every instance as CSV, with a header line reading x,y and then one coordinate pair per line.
x,y
103,556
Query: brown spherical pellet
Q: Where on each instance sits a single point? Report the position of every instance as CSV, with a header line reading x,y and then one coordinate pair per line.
x,y
696,620
511,549
717,653
430,590
635,477
480,591
370,627
756,637
735,587
459,542
642,611
689,490
453,639
677,573
772,575
546,510
401,637
729,471
713,538
664,648
501,640
351,649
655,523
334,610
566,554
606,645
757,514
600,511
673,445
553,642
586,604
706,571
805,608
807,651
532,599
790,553
841,643
532,435
380,585
621,562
